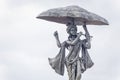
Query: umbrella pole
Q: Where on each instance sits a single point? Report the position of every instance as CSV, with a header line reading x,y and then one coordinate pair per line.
x,y
73,20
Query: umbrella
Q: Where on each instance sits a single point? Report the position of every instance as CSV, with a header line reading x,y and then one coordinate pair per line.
x,y
72,13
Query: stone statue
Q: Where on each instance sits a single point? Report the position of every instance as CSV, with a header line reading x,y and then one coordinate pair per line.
x,y
74,63
78,60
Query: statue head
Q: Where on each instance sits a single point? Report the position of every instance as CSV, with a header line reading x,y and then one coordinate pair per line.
x,y
71,29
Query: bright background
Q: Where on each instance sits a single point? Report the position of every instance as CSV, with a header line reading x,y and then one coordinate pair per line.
x,y
27,42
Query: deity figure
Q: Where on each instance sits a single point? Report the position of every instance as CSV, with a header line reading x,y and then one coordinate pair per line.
x,y
78,59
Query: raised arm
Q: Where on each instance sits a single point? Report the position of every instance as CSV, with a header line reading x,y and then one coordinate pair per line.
x,y
88,37
57,39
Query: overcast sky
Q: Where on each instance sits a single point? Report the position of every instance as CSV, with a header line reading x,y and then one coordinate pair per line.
x,y
27,42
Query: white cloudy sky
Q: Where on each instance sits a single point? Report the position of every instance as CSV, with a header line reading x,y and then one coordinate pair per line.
x,y
26,42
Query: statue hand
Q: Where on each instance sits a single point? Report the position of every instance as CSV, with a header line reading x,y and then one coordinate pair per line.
x,y
79,34
84,24
87,36
56,34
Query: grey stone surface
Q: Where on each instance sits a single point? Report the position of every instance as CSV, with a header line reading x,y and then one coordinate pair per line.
x,y
63,15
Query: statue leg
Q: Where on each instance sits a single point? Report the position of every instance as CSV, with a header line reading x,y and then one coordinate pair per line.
x,y
73,75
78,73
71,69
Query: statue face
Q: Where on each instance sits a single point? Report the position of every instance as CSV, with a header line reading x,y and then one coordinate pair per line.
x,y
73,31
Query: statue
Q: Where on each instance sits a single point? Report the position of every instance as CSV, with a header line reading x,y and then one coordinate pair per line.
x,y
72,16
75,64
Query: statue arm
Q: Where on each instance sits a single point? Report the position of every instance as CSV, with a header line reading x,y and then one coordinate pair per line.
x,y
76,39
87,43
57,39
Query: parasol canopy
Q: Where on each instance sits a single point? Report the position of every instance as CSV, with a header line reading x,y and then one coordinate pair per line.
x,y
72,13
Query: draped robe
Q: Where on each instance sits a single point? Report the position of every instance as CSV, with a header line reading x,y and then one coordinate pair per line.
x,y
58,62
